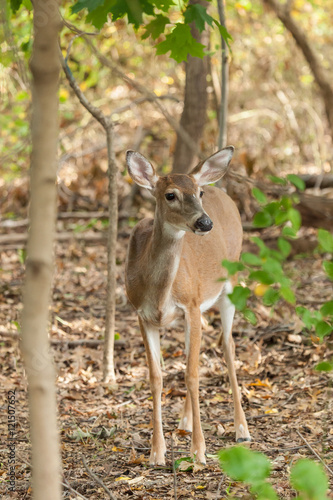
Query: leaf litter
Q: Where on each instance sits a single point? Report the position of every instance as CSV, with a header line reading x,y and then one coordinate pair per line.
x,y
110,426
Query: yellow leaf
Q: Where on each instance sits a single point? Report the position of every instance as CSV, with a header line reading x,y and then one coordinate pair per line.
x,y
272,410
260,290
117,449
122,478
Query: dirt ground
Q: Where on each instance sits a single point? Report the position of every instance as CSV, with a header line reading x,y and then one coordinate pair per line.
x,y
110,427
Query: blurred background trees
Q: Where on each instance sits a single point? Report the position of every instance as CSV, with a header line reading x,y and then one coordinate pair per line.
x,y
277,115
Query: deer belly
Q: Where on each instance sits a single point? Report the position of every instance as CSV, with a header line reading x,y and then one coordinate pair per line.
x,y
208,303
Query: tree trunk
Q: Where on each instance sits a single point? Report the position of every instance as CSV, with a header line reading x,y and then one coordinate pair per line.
x,y
45,67
223,109
195,104
110,318
311,57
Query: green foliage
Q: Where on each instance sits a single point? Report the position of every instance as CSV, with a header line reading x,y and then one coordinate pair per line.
x,y
187,464
309,478
198,14
156,27
253,468
264,273
296,181
325,239
15,5
178,41
244,465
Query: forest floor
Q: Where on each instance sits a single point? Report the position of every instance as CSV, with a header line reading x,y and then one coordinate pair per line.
x,y
284,398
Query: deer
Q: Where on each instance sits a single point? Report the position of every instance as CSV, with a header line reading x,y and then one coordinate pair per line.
x,y
173,266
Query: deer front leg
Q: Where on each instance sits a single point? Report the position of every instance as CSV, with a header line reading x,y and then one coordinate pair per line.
x,y
227,310
185,423
151,338
198,446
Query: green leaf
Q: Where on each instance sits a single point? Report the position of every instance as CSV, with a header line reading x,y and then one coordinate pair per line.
x,y
296,181
289,232
287,294
99,16
198,14
306,316
307,476
327,308
277,180
259,195
245,465
324,366
328,266
232,267
273,208
250,316
323,329
270,297
15,5
295,218
90,5
164,5
224,33
262,276
272,266
262,219
264,491
251,259
184,459
133,9
239,297
284,247
156,27
264,250
181,44
325,239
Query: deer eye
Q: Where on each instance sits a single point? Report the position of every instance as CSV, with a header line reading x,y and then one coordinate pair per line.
x,y
201,194
170,196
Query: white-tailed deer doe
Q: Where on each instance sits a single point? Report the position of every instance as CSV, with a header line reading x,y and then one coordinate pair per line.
x,y
172,272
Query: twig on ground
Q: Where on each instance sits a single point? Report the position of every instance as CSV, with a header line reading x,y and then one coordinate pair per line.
x,y
219,487
69,487
98,480
315,453
173,469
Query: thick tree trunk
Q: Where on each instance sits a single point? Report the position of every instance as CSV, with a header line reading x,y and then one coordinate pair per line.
x,y
195,104
45,67
110,318
311,57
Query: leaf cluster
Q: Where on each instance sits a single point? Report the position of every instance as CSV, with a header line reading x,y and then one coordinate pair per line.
x,y
264,271
179,40
253,468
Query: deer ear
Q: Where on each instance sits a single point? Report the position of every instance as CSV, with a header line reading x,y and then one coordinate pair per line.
x,y
141,170
212,169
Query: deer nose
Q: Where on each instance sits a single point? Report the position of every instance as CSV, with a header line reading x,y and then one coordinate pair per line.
x,y
204,223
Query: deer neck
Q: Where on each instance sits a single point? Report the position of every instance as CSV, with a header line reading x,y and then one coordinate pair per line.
x,y
163,261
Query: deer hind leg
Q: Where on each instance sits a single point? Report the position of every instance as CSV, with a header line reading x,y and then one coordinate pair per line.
x,y
151,338
227,310
198,447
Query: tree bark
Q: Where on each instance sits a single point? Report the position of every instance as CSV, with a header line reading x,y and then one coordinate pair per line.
x,y
195,104
223,109
45,67
110,318
311,57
